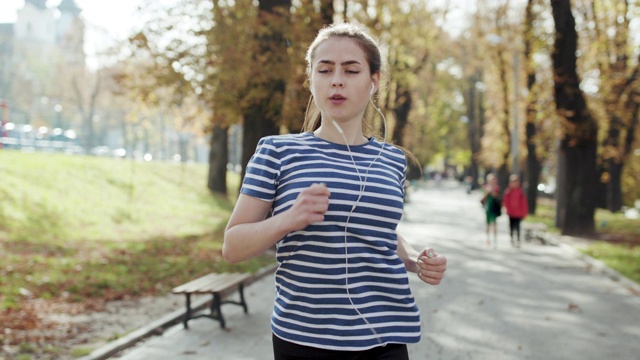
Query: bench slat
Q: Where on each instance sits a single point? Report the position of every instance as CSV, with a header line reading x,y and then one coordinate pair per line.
x,y
194,284
221,283
211,283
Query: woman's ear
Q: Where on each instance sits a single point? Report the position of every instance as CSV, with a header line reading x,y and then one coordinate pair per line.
x,y
375,82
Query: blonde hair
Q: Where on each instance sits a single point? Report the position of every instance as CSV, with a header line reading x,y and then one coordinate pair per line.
x,y
355,32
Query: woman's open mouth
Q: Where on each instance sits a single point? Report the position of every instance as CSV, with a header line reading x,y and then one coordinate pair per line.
x,y
337,99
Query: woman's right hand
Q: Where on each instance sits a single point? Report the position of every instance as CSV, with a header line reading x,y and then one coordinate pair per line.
x,y
309,207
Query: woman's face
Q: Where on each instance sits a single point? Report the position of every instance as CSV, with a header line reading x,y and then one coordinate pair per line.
x,y
340,80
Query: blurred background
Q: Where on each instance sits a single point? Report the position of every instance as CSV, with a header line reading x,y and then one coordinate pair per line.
x,y
126,126
473,87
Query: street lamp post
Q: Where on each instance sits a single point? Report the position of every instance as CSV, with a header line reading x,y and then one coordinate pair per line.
x,y
4,119
58,109
5,112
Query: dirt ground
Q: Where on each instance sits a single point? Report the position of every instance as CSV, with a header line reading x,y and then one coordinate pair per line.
x,y
67,331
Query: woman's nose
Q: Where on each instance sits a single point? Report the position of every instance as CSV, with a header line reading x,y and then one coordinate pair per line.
x,y
337,81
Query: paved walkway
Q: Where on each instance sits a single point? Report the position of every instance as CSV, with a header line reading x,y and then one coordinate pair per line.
x,y
536,302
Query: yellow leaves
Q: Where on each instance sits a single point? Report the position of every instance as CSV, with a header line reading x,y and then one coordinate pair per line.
x,y
139,40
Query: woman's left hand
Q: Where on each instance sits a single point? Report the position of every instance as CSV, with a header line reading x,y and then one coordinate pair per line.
x,y
431,266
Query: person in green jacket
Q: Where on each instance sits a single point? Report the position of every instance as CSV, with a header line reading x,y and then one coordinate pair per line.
x,y
492,207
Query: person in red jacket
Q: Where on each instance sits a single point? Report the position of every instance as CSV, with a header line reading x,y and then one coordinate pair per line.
x,y
515,202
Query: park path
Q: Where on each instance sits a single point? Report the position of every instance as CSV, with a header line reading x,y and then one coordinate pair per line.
x,y
536,302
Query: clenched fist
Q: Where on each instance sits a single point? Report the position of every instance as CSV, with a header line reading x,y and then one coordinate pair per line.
x,y
431,266
309,207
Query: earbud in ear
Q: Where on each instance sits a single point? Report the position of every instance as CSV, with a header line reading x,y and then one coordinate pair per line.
x,y
373,89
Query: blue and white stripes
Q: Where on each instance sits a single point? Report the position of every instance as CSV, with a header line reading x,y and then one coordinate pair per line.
x,y
340,283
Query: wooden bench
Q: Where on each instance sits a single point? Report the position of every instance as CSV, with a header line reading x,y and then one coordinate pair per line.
x,y
219,286
535,231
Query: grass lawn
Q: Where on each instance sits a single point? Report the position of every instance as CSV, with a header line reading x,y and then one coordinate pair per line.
x,y
79,229
616,244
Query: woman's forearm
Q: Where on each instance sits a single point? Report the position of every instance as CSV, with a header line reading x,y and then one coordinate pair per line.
x,y
249,232
408,254
247,240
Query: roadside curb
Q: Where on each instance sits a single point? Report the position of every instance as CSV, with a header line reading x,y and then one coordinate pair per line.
x,y
158,326
595,264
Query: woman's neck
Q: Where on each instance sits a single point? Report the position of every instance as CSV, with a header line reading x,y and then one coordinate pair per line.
x,y
346,135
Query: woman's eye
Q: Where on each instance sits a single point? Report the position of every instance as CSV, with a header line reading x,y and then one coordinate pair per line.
x,y
323,71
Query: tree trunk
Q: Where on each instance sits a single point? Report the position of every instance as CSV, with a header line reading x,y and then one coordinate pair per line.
x,y
578,144
401,111
618,144
620,90
262,117
326,12
611,167
503,176
534,166
256,126
474,128
613,186
218,157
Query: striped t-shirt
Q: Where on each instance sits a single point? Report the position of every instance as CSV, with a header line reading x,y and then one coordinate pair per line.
x,y
340,284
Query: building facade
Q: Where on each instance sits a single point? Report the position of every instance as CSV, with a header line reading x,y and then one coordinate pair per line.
x,y
40,30
34,50
46,90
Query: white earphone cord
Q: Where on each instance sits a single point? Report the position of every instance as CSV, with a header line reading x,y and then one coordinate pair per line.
x,y
362,187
